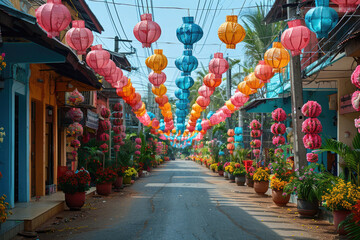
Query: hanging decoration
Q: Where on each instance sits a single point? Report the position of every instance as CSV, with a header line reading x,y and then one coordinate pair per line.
x,y
230,146
118,129
311,127
79,37
263,71
355,100
97,58
147,31
231,32
278,128
238,136
347,5
277,57
296,37
53,17
256,132
189,32
321,19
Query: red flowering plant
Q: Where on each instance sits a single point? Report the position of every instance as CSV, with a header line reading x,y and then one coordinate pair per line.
x,y
72,182
106,175
250,172
352,223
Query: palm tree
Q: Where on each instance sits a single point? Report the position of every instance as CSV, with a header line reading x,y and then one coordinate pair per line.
x,y
350,156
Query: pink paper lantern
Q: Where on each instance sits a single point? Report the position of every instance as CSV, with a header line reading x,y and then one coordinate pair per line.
x,y
278,115
218,65
137,146
278,128
147,31
312,157
311,109
79,37
104,137
296,37
203,101
108,70
138,140
155,123
239,99
97,58
355,100
205,91
311,125
120,83
278,140
355,77
157,79
53,17
137,153
263,71
116,76
205,124
347,5
312,141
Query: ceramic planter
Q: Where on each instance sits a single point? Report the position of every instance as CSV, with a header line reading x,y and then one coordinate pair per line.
x,y
119,182
261,187
221,173
249,182
240,180
279,199
306,208
127,180
140,172
231,178
226,175
103,188
75,201
339,216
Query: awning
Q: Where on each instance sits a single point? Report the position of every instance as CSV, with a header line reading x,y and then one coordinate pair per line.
x,y
267,105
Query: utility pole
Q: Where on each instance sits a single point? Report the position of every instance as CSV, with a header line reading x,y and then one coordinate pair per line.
x,y
228,91
296,98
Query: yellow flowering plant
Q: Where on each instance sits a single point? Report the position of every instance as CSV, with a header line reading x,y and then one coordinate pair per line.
x,y
261,174
343,196
130,172
4,206
277,184
213,166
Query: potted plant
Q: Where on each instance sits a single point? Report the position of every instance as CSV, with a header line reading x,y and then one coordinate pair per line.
x,y
4,213
261,180
120,177
129,173
239,174
249,177
309,186
230,169
213,167
226,173
351,225
341,199
220,169
74,185
282,173
104,180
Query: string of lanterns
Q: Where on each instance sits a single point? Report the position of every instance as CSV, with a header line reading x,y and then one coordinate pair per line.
x,y
255,133
278,128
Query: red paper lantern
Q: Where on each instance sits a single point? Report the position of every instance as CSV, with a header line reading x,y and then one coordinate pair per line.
x,y
155,123
218,65
278,115
311,109
135,100
108,70
162,100
157,79
347,5
97,58
116,76
205,91
147,31
211,81
203,101
230,146
239,99
53,17
312,141
263,71
118,107
296,37
120,83
79,37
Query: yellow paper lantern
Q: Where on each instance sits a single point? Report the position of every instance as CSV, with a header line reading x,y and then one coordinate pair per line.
x,y
245,89
166,107
253,82
231,32
229,105
277,57
173,131
197,108
160,90
195,114
157,62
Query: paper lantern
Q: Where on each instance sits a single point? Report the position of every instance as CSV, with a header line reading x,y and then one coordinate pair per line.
x,y
278,128
157,79
231,32
253,82
311,109
147,31
157,62
118,107
205,91
321,19
75,114
78,37
312,141
182,94
106,125
189,32
347,5
97,58
255,125
263,71
197,108
75,129
218,65
355,77
120,83
278,140
135,99
211,81
296,37
278,115
166,107
161,100
187,62
231,133
277,57
239,99
127,91
256,143
116,76
117,122
155,123
181,104
230,146
311,125
203,101
117,114
255,133
53,17
108,70
104,137
312,157
195,114
159,91
230,106
245,89
105,112
184,82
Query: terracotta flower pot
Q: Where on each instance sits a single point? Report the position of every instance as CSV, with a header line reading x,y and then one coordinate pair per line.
x,y
306,208
261,187
231,178
240,180
103,188
226,175
221,173
140,172
75,201
119,182
249,182
339,216
279,199
127,180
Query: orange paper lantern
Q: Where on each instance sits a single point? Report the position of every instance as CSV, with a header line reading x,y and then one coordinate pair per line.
x,y
277,57
195,114
159,91
197,108
231,32
157,62
245,89
253,82
231,132
229,105
212,82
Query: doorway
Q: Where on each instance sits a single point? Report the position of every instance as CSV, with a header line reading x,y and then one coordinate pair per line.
x,y
49,153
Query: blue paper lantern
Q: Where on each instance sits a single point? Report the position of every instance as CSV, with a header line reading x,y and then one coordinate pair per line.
x,y
238,138
181,104
184,82
198,127
180,127
151,115
180,113
321,19
238,130
189,32
161,120
180,120
182,94
187,62
221,153
162,126
210,114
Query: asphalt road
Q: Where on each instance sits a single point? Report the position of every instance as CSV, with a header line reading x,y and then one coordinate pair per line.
x,y
182,201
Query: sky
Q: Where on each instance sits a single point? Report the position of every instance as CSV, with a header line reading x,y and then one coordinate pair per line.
x,y
168,14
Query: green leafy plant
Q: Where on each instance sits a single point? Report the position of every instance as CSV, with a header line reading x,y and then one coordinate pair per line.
x,y
352,223
240,154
